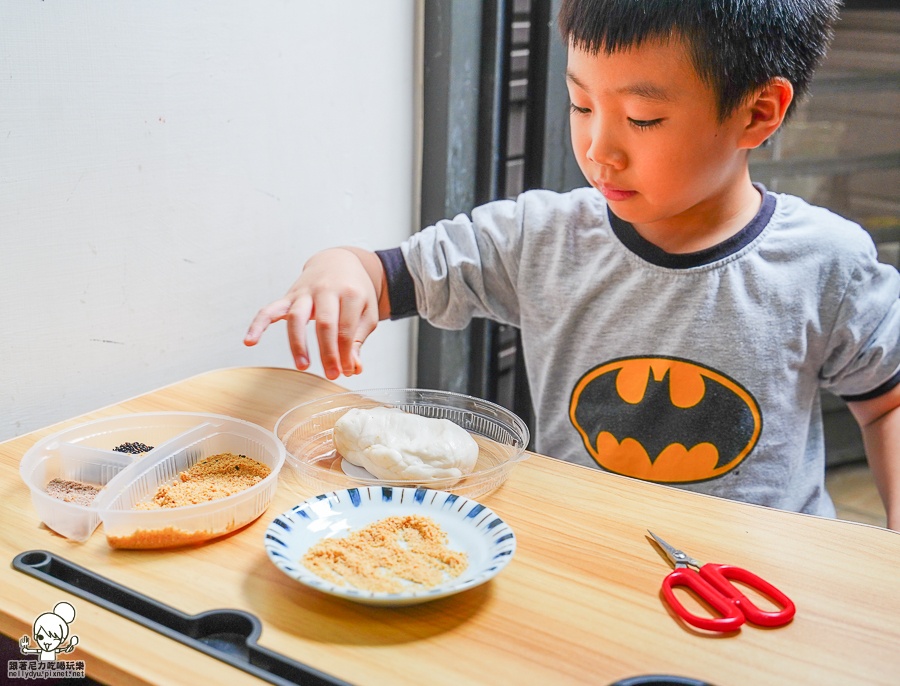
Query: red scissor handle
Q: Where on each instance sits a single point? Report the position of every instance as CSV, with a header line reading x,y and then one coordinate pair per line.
x,y
718,576
731,618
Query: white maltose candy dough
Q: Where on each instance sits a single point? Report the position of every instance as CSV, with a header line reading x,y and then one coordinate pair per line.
x,y
393,444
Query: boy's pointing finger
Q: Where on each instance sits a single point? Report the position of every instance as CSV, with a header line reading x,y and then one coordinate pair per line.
x,y
272,312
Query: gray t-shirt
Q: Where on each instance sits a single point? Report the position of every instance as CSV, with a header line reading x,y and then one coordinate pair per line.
x,y
700,371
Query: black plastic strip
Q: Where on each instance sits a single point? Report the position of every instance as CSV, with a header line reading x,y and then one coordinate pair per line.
x,y
660,680
227,635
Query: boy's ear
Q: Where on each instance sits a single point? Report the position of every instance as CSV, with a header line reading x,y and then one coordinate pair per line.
x,y
765,111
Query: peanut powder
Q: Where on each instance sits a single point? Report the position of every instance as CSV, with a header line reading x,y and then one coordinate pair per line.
x,y
382,555
217,476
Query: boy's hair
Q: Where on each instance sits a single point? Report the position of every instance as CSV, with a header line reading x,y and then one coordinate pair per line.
x,y
736,46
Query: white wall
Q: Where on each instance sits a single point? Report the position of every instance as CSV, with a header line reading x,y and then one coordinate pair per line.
x,y
166,168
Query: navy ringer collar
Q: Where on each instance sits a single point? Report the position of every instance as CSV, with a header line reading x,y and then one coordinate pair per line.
x,y
646,250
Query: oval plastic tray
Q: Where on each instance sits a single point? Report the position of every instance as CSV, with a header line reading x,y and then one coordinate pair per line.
x,y
180,440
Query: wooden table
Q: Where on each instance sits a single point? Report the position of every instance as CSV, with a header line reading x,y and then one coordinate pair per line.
x,y
578,604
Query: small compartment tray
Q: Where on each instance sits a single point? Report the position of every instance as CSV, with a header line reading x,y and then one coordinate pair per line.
x,y
84,454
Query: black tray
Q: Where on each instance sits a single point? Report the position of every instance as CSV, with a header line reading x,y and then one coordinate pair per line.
x,y
227,635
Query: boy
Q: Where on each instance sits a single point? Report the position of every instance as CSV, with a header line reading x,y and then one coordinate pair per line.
x,y
677,320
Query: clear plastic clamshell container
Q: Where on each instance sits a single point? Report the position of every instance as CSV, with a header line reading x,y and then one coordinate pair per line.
x,y
85,454
314,466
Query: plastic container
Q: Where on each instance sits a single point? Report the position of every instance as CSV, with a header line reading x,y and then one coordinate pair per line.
x,y
315,467
179,439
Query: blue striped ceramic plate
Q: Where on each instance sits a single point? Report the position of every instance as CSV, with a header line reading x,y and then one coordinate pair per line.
x,y
471,527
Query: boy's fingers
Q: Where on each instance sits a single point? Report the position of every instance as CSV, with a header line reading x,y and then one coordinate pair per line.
x,y
297,319
272,312
326,316
352,310
366,326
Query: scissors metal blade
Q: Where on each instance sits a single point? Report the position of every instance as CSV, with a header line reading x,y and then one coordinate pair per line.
x,y
678,557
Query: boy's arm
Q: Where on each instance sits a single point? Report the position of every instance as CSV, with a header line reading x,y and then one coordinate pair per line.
x,y
344,290
879,419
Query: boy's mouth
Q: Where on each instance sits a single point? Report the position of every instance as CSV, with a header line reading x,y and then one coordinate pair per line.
x,y
613,193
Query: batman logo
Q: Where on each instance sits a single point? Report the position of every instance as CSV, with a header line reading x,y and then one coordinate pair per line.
x,y
664,419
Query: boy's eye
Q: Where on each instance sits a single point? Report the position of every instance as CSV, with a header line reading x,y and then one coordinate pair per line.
x,y
645,123
575,109
39,637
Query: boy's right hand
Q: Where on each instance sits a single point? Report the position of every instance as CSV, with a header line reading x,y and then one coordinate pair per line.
x,y
344,290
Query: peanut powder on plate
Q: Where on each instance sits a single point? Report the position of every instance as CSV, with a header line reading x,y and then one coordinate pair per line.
x,y
388,556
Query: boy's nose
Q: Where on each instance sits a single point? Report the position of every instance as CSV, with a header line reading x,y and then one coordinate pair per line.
x,y
604,151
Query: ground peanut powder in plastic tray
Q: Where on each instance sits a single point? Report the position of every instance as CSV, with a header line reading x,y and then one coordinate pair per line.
x,y
163,538
214,477
381,556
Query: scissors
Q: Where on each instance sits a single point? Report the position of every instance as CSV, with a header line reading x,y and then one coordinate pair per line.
x,y
711,583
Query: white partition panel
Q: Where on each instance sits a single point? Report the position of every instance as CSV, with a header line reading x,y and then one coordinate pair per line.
x,y
167,167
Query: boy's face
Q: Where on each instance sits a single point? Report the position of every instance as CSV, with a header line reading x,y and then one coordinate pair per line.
x,y
646,134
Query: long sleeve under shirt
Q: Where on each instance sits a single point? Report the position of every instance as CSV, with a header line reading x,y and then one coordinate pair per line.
x,y
701,370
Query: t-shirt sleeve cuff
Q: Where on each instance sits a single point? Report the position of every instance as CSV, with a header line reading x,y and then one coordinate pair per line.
x,y
400,285
881,390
